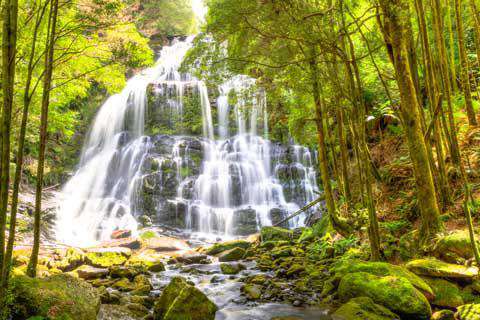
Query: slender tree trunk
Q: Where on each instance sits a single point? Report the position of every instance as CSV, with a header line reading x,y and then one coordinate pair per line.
x,y
47,81
343,155
20,149
9,48
396,16
322,151
466,87
451,44
434,100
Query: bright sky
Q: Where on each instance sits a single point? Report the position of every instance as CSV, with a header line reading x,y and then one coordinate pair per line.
x,y
199,9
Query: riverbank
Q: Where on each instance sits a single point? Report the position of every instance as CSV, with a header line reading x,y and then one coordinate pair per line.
x,y
306,273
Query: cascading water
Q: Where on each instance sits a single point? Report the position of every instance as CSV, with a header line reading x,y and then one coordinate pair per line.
x,y
146,154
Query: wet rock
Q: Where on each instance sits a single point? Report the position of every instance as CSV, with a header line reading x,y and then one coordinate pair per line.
x,y
275,234
363,308
107,257
147,260
124,285
252,291
180,300
137,309
244,221
224,246
394,293
165,244
56,297
231,268
447,294
90,273
123,272
116,312
192,258
232,255
121,234
443,315
437,268
468,312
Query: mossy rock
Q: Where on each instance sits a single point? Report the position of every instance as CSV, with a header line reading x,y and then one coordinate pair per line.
x,y
252,291
363,308
444,314
232,255
115,311
275,234
436,268
468,312
182,301
70,259
147,260
447,294
91,273
57,297
454,247
228,245
107,257
124,285
345,266
231,268
394,293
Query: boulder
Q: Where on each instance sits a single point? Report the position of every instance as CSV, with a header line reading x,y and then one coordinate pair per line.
x,y
165,244
275,234
444,314
147,259
454,247
231,255
91,273
123,272
468,312
447,294
363,308
224,246
231,268
440,269
346,266
394,293
57,297
252,291
117,312
182,301
121,234
192,258
69,259
107,257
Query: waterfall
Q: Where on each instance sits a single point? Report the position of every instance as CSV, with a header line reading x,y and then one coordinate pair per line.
x,y
144,155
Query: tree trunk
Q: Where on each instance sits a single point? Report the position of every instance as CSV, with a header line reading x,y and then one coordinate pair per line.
x,y
396,16
47,81
9,48
466,87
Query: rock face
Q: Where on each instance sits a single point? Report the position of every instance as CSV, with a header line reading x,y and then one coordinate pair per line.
x,y
365,309
61,297
394,293
182,301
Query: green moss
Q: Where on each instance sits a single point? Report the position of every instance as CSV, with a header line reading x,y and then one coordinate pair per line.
x,y
224,246
344,267
182,301
148,235
231,268
252,291
107,258
232,255
57,297
447,294
437,268
363,308
454,246
275,234
394,293
468,312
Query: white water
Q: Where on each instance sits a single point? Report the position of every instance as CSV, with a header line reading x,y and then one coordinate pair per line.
x,y
239,171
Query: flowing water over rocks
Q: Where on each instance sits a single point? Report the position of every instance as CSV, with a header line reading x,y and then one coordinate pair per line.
x,y
160,150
